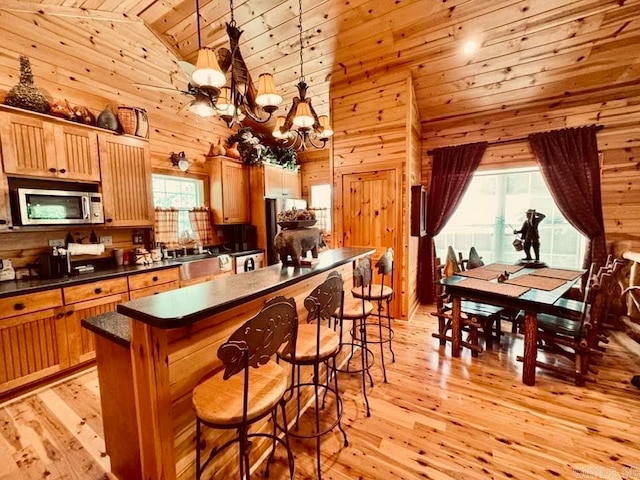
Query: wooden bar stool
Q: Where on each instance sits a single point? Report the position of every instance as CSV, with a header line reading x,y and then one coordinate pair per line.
x,y
357,310
318,344
379,293
232,401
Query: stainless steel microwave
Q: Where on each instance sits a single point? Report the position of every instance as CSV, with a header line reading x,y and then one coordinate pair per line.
x,y
57,207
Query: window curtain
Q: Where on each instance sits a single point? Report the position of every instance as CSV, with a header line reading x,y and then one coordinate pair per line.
x,y
453,168
569,162
166,227
200,218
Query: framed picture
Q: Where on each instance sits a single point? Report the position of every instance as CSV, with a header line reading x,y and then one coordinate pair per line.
x,y
418,211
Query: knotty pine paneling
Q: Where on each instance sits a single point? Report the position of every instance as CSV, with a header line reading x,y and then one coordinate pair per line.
x,y
618,142
372,125
414,176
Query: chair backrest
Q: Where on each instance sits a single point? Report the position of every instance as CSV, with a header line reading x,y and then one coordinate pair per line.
x,y
325,299
474,260
323,303
385,267
451,266
362,273
260,337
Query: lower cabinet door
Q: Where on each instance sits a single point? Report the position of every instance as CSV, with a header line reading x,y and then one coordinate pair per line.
x,y
32,346
82,343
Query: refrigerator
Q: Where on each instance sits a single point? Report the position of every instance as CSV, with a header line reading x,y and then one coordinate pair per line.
x,y
273,207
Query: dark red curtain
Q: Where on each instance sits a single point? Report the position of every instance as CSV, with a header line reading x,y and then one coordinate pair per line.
x,y
569,162
453,168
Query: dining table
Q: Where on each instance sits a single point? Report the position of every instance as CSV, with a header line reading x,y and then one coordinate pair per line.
x,y
534,289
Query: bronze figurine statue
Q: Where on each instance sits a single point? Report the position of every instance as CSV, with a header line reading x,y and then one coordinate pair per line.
x,y
529,233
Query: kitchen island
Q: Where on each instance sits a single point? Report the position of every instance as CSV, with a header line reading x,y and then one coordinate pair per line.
x,y
148,370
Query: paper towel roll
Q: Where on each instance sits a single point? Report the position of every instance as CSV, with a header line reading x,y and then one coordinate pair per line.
x,y
88,249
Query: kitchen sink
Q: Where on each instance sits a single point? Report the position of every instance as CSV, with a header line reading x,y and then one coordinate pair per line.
x,y
201,267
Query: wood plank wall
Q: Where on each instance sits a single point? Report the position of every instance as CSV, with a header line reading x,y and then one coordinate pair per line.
x,y
95,62
370,120
414,177
618,143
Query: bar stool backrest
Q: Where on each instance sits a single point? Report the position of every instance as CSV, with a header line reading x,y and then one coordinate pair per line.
x,y
323,303
260,337
385,268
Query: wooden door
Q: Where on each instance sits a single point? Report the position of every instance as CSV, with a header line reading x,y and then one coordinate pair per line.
x,y
32,346
235,193
28,145
291,184
77,153
126,181
371,217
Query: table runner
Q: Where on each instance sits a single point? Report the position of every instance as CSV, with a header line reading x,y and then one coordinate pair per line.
x,y
481,273
537,282
504,267
501,288
558,273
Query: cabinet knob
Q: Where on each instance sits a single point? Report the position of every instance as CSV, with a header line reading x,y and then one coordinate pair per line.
x,y
98,291
59,316
63,170
155,279
19,306
3,221
70,312
53,170
109,220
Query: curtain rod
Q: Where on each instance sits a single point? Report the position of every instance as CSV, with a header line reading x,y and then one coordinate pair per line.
x,y
513,140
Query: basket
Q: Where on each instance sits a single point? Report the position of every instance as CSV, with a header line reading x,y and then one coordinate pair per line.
x,y
294,224
134,121
517,244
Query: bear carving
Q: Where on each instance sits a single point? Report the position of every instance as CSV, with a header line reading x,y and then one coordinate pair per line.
x,y
293,244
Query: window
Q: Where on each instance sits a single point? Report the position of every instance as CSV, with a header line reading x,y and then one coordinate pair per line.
x,y
321,203
181,193
495,205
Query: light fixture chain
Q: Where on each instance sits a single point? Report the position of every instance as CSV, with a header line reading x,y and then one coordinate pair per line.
x,y
198,23
300,34
233,22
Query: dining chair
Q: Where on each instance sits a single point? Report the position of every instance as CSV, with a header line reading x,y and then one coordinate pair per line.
x,y
250,386
577,338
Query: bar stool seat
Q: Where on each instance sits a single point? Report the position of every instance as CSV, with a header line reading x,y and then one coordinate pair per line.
x,y
219,401
378,292
306,349
353,308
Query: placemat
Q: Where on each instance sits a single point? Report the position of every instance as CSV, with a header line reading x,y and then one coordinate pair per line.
x,y
504,267
501,288
481,273
558,273
537,282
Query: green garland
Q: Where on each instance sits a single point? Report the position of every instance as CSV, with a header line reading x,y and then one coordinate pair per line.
x,y
253,150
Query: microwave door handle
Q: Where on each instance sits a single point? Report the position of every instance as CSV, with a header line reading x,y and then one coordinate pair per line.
x,y
86,211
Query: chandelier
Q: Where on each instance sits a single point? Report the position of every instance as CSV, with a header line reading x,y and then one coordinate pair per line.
x,y
302,127
238,98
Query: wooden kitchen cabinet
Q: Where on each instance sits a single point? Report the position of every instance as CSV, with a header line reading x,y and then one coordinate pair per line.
x,y
229,185
5,214
33,338
280,182
126,181
36,147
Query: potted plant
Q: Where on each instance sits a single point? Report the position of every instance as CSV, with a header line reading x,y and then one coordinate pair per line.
x,y
253,150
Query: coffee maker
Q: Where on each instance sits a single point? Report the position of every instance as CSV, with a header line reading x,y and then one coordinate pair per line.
x,y
54,264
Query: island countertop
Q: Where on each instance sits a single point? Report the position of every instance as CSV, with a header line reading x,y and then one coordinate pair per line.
x,y
178,308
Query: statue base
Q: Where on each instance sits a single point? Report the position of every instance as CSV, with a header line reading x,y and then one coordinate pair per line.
x,y
531,263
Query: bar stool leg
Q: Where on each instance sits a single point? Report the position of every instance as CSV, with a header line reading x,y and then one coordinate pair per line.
x,y
316,379
286,440
393,354
363,357
338,402
384,368
298,400
198,472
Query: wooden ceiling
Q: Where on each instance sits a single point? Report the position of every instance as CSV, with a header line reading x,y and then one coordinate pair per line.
x,y
533,54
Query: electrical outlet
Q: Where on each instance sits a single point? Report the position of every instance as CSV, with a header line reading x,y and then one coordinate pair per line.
x,y
58,242
107,240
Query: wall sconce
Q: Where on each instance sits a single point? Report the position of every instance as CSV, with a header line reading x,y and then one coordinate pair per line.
x,y
180,160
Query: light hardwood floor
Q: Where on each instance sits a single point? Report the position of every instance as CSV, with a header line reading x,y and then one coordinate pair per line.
x,y
438,418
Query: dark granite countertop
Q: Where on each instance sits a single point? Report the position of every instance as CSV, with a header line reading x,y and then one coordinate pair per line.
x,y
177,308
112,325
15,287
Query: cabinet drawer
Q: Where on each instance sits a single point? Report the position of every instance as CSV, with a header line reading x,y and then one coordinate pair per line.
x,y
90,291
157,277
145,292
33,302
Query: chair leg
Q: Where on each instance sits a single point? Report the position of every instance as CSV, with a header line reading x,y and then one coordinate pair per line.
x,y
488,332
286,441
473,335
274,414
364,358
393,354
442,330
338,404
384,368
198,427
316,381
241,454
298,399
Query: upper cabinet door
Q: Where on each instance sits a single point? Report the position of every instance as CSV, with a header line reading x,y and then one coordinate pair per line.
x,y
291,184
77,153
126,181
35,147
235,185
272,181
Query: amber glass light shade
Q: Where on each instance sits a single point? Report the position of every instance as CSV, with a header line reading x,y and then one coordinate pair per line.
x,y
201,106
277,130
304,117
326,130
267,96
208,71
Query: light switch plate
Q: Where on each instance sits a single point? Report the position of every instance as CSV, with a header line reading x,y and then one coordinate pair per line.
x,y
57,242
107,240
